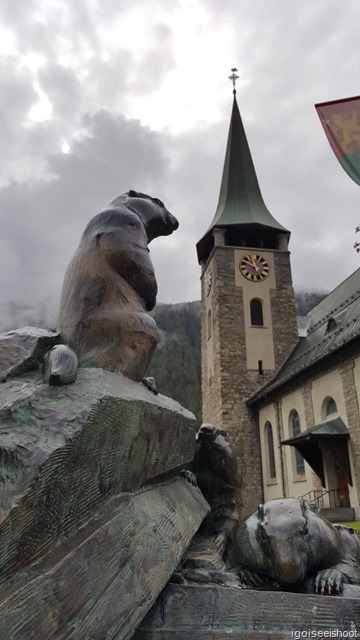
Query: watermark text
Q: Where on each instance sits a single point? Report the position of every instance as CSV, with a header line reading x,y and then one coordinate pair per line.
x,y
323,633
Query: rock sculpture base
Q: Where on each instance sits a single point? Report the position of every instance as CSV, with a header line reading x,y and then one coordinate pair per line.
x,y
95,517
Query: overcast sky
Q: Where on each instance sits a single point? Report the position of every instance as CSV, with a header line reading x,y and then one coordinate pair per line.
x,y
101,96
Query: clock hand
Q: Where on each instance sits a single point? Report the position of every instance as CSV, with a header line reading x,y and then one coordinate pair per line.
x,y
251,264
255,265
253,258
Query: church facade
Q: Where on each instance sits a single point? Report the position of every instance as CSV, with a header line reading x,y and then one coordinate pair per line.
x,y
287,400
309,414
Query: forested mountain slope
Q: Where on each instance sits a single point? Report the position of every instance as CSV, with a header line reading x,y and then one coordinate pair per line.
x,y
176,362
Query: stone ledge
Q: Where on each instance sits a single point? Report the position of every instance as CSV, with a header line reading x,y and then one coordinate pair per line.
x,y
211,613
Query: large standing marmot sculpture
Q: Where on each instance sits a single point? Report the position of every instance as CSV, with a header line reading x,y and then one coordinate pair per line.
x,y
216,471
110,285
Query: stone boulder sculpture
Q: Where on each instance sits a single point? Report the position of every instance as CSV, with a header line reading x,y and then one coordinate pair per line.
x,y
94,516
110,286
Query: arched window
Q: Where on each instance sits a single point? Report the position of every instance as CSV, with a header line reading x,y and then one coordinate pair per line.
x,y
331,407
328,408
269,439
209,327
256,312
298,460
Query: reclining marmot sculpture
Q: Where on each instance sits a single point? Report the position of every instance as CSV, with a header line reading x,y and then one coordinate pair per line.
x,y
288,540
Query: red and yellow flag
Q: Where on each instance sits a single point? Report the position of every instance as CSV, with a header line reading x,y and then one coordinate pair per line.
x,y
341,122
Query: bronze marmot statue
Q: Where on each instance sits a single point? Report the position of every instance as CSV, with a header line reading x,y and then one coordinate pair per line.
x,y
288,540
110,285
216,471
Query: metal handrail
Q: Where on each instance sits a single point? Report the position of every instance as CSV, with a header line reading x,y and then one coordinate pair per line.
x,y
317,496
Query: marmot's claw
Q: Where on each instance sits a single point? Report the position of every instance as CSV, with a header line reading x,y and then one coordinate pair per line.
x,y
329,582
250,579
150,384
189,476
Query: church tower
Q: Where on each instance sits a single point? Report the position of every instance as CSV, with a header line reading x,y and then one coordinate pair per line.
x,y
248,315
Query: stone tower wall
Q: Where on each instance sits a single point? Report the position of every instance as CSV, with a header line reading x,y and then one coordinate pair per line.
x,y
283,309
230,384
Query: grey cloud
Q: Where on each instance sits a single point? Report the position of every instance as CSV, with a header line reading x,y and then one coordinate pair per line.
x,y
114,151
42,222
110,79
17,96
156,61
63,89
17,12
288,57
41,28
112,7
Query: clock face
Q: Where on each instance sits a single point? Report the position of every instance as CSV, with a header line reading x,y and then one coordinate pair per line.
x,y
254,267
208,281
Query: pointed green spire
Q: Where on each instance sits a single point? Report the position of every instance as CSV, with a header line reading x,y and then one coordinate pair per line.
x,y
240,200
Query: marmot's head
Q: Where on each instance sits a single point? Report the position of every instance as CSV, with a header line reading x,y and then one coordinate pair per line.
x,y
157,220
213,446
208,433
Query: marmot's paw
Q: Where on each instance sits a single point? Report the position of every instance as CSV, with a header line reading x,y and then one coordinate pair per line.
x,y
177,578
250,579
60,365
329,582
189,476
220,543
150,384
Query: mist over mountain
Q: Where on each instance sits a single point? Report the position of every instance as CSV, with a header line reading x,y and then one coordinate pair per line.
x,y
42,313
306,300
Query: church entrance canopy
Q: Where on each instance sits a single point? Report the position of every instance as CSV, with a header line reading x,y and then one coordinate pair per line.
x,y
329,437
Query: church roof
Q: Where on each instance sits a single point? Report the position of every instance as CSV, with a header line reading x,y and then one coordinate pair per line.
x,y
330,436
331,325
331,428
240,199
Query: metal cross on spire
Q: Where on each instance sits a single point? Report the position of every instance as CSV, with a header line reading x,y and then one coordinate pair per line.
x,y
234,77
